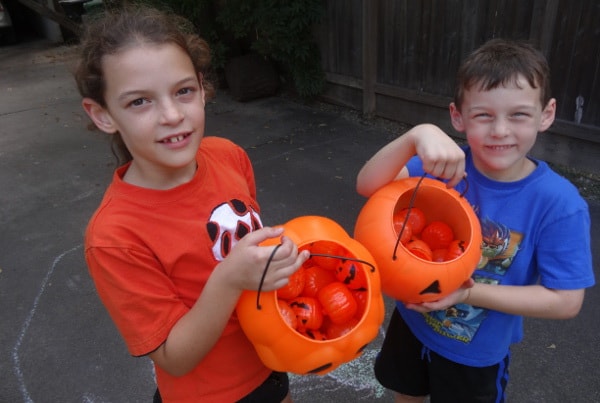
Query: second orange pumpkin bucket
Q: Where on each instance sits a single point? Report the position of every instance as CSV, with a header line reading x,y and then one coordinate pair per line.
x,y
416,277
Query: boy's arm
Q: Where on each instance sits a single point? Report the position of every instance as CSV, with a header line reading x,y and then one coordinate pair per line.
x,y
532,301
441,157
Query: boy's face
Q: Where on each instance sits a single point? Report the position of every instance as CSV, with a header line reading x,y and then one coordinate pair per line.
x,y
501,126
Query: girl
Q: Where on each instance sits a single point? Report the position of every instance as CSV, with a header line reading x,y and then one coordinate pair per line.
x,y
176,238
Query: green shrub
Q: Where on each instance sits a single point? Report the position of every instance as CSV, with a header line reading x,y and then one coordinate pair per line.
x,y
280,30
283,32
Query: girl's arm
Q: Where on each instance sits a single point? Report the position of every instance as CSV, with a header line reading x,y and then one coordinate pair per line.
x,y
441,157
532,301
194,335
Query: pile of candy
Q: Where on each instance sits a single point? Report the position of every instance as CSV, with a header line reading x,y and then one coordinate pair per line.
x,y
327,296
432,241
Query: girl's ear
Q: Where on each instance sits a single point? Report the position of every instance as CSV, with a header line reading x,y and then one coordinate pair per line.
x,y
548,115
203,93
99,115
456,118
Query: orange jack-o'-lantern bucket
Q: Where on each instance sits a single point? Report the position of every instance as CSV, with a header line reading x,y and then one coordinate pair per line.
x,y
418,267
327,314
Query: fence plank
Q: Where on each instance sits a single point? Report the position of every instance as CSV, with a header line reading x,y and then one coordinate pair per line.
x,y
417,46
369,55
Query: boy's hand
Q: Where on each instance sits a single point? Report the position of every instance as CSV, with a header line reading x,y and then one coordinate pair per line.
x,y
247,261
441,156
459,296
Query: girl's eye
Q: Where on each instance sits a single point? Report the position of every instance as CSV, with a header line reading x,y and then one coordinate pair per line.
x,y
185,91
138,102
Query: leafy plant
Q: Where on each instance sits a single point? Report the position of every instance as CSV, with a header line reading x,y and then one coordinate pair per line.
x,y
282,31
202,16
279,30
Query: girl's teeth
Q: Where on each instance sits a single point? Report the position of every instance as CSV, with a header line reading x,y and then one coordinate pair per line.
x,y
175,139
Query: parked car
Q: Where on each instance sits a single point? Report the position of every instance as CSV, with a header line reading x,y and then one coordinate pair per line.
x,y
7,29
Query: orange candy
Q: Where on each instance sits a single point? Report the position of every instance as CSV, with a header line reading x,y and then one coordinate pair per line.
x,y
326,248
308,311
361,297
439,255
437,234
455,249
337,302
294,286
324,303
334,330
405,233
440,245
351,274
416,219
420,249
315,278
288,314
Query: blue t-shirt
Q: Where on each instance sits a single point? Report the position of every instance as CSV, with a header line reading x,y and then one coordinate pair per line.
x,y
535,230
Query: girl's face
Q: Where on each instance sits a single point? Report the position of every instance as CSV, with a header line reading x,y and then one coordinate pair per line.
x,y
154,99
501,127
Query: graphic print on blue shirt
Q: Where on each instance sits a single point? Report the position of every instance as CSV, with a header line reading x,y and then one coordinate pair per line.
x,y
499,247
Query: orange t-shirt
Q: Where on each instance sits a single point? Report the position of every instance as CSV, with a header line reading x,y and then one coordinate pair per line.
x,y
150,253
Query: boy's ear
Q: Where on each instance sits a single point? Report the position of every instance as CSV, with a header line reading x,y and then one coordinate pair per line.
x,y
99,115
456,118
548,115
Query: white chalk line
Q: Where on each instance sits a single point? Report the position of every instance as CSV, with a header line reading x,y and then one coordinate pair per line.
x,y
345,376
356,374
27,323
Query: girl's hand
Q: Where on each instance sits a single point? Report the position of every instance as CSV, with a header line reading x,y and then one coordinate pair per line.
x,y
459,296
247,261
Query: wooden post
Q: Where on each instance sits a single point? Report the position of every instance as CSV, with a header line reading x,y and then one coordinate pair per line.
x,y
369,55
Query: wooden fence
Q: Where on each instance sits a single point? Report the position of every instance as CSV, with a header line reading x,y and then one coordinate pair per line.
x,y
397,59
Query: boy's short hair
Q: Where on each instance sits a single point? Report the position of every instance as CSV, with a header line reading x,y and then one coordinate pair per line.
x,y
499,62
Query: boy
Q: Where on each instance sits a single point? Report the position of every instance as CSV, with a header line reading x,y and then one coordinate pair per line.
x,y
501,103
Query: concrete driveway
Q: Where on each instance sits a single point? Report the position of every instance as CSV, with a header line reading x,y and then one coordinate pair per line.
x,y
57,342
